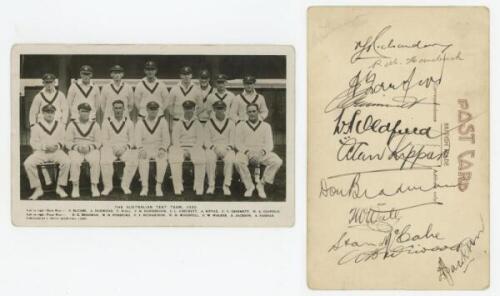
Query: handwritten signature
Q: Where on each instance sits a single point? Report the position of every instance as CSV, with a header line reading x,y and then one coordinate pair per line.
x,y
355,190
362,85
403,151
397,241
465,248
375,47
403,241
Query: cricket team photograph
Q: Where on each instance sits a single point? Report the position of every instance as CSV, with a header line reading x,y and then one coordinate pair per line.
x,y
148,140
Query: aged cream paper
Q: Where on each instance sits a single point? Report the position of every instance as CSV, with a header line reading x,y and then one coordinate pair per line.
x,y
398,166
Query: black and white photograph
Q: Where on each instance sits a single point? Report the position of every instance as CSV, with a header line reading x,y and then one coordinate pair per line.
x,y
158,126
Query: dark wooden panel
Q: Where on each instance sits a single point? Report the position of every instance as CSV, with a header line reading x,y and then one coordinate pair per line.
x,y
34,66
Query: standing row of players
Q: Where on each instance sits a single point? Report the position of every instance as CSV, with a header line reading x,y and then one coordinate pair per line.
x,y
203,142
148,89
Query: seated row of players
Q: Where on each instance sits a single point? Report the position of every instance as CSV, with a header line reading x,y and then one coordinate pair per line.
x,y
247,142
149,89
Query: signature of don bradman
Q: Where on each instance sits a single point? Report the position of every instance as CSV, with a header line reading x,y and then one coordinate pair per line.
x,y
445,272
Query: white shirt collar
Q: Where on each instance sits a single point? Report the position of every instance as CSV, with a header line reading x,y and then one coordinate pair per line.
x,y
254,124
116,121
81,123
218,122
145,79
155,119
182,85
50,94
46,124
217,92
252,94
119,85
80,83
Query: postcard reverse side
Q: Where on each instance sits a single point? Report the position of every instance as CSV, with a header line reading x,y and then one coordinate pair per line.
x,y
398,165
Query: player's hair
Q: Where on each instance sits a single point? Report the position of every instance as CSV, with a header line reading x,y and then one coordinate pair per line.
x,y
118,102
253,105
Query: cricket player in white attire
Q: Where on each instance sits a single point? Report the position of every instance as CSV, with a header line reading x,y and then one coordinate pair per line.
x,y
118,136
84,91
219,144
152,141
254,142
47,138
183,91
83,140
248,96
117,90
187,141
49,95
221,94
150,89
206,89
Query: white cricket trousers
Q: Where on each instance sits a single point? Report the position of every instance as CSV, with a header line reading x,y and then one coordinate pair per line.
x,y
228,156
76,161
161,165
176,157
271,161
129,157
39,157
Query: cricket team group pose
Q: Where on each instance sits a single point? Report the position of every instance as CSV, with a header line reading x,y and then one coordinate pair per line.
x,y
192,121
